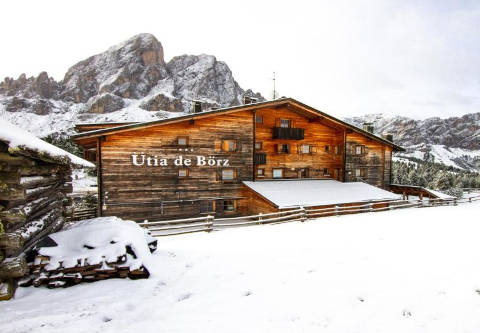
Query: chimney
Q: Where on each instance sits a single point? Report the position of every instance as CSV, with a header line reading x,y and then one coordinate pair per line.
x,y
368,127
197,106
249,100
387,136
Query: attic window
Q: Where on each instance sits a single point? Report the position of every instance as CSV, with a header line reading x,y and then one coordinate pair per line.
x,y
285,123
182,140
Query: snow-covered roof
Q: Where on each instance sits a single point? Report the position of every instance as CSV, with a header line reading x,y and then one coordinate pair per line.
x,y
310,192
439,194
24,143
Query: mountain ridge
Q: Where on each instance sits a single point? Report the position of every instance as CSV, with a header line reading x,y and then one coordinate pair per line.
x,y
130,81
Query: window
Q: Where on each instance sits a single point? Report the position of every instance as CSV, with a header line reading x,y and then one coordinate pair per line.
x,y
228,174
359,172
277,173
327,149
258,145
259,119
283,148
182,140
182,173
359,150
228,205
229,145
338,150
303,173
260,172
285,123
207,206
305,149
325,172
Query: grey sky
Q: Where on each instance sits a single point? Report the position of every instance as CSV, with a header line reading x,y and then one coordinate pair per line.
x,y
413,58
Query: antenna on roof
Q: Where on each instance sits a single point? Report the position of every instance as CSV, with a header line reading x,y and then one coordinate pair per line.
x,y
274,91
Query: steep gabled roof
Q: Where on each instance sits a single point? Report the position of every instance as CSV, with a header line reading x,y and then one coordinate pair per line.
x,y
294,105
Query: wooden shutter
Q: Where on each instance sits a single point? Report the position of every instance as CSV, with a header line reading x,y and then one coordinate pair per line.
x,y
299,149
277,122
313,149
218,145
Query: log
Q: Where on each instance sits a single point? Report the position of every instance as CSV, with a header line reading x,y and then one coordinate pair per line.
x,y
7,159
7,290
32,228
13,216
17,216
30,182
9,178
11,241
11,192
13,268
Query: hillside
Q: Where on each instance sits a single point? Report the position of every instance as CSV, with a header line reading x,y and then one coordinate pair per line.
x,y
129,82
452,141
354,273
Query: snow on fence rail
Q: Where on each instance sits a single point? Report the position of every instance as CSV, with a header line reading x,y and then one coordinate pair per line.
x,y
209,223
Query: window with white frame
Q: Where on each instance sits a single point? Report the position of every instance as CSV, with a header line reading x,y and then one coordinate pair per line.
x,y
277,173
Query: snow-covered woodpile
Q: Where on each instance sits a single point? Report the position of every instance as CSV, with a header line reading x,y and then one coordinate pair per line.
x,y
91,250
35,177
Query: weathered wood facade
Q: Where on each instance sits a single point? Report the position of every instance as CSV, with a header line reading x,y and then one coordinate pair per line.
x,y
196,164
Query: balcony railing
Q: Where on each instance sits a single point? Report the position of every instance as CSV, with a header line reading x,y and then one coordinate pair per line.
x,y
260,158
288,133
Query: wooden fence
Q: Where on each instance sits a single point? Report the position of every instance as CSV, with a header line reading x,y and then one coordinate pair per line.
x,y
209,223
82,214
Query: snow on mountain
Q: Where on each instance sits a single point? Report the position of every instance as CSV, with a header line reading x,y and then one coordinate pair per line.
x,y
129,82
453,141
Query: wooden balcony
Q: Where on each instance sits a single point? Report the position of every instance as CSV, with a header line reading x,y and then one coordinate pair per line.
x,y
288,133
260,158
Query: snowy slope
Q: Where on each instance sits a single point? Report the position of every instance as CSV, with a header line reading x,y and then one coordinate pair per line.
x,y
412,270
452,141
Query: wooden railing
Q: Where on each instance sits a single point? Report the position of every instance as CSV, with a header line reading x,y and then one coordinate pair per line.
x,y
209,223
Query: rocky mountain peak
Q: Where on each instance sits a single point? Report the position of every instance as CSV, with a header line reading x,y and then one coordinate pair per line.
x,y
129,70
41,86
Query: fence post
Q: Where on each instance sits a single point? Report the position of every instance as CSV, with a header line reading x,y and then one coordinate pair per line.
x,y
336,210
260,218
304,215
455,201
209,220
370,207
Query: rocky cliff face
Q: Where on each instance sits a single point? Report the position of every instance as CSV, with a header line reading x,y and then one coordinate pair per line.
x,y
453,141
129,82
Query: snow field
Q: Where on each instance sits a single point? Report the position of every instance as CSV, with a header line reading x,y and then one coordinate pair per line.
x,y
411,270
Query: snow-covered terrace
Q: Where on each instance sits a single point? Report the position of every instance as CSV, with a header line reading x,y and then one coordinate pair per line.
x,y
308,193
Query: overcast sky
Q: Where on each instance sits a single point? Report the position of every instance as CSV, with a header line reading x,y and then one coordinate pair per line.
x,y
413,58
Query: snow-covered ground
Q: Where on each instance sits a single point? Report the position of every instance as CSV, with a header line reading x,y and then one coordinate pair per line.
x,y
412,270
83,183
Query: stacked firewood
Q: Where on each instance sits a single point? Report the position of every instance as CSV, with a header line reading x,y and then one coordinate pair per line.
x,y
42,272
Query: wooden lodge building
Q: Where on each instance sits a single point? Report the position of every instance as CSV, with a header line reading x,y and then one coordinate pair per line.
x,y
212,162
